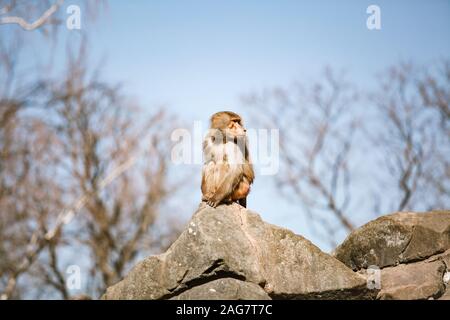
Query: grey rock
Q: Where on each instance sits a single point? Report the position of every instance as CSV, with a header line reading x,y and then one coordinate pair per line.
x,y
233,242
446,295
445,258
224,289
396,238
414,281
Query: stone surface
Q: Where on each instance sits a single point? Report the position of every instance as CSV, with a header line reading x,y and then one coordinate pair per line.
x,y
230,253
446,295
414,281
233,242
224,289
396,238
445,258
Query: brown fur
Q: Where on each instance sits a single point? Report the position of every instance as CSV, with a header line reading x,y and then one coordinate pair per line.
x,y
227,171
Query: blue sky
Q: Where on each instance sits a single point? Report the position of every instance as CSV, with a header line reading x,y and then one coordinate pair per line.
x,y
198,56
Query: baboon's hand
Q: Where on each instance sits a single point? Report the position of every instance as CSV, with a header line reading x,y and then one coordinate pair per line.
x,y
213,202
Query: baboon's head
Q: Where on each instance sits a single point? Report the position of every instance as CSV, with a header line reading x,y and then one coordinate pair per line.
x,y
229,123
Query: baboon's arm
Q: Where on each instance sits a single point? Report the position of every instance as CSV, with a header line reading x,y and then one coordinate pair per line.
x,y
227,186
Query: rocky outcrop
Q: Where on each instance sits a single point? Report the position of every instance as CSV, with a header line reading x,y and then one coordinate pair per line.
x,y
411,251
230,253
396,238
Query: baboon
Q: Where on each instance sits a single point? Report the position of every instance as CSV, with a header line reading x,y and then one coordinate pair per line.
x,y
227,170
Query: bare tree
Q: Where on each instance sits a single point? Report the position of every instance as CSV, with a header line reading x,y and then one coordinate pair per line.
x,y
18,173
45,15
86,132
434,88
341,156
48,9
98,133
99,159
83,174
24,149
414,139
316,135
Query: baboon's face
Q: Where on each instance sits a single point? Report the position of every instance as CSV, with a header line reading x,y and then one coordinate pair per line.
x,y
228,123
236,128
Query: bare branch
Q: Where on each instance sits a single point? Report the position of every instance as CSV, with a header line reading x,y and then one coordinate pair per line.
x,y
44,18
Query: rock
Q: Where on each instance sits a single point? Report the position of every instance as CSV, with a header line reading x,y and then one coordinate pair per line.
x,y
232,251
420,280
446,295
396,238
224,289
81,297
141,283
445,258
